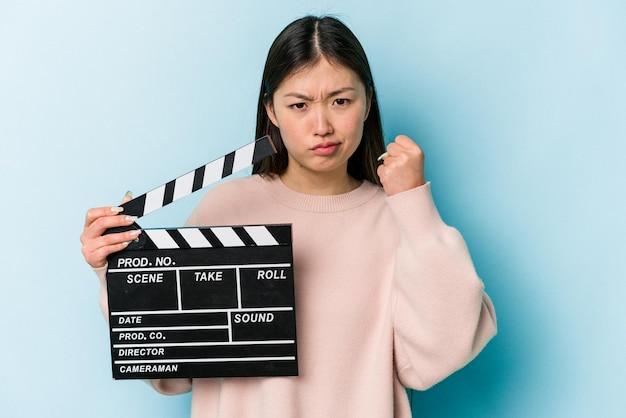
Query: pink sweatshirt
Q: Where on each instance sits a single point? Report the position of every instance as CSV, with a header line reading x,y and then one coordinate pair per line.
x,y
386,297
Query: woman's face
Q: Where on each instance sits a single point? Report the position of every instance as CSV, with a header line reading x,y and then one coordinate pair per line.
x,y
320,112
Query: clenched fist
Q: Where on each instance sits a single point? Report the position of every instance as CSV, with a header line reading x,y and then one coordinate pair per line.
x,y
403,166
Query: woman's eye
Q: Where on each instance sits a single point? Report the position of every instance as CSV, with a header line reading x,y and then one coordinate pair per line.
x,y
298,105
342,102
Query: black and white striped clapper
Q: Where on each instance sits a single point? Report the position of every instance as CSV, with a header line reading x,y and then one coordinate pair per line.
x,y
211,301
200,177
211,237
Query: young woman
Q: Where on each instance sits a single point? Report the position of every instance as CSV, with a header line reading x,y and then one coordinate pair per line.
x,y
386,293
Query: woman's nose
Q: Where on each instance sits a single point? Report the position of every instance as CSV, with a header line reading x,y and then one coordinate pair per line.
x,y
322,123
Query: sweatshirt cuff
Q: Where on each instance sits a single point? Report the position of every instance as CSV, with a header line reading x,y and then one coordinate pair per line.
x,y
415,208
101,273
103,299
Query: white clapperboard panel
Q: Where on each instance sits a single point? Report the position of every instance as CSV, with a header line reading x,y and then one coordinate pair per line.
x,y
203,301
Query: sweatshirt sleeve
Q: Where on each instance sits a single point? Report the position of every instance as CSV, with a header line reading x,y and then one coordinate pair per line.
x,y
441,316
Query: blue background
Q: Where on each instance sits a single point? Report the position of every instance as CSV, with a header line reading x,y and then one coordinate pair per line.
x,y
519,106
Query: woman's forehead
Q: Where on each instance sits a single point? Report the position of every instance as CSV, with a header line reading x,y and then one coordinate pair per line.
x,y
323,74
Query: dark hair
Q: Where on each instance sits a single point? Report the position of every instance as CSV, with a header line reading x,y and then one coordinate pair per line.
x,y
301,44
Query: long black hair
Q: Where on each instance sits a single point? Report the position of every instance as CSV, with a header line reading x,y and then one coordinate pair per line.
x,y
300,45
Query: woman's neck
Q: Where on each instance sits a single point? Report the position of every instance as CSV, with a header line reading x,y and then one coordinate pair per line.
x,y
320,184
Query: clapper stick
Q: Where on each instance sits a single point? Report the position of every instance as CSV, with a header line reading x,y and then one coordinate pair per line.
x,y
193,181
200,177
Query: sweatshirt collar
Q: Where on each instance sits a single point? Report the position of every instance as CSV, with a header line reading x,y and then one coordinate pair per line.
x,y
321,204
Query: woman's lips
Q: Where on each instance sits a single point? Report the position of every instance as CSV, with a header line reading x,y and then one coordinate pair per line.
x,y
325,148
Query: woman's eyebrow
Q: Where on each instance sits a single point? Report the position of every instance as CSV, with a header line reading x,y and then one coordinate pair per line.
x,y
334,93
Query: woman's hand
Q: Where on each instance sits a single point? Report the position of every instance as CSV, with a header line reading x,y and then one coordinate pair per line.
x,y
96,246
403,166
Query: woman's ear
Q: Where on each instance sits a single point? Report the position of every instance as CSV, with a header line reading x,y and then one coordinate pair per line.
x,y
269,108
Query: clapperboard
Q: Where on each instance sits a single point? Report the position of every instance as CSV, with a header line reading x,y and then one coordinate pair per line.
x,y
203,301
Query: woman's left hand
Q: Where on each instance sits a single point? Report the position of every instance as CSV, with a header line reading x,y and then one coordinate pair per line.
x,y
403,166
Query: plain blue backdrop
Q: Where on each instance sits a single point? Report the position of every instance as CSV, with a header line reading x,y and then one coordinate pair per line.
x,y
519,106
